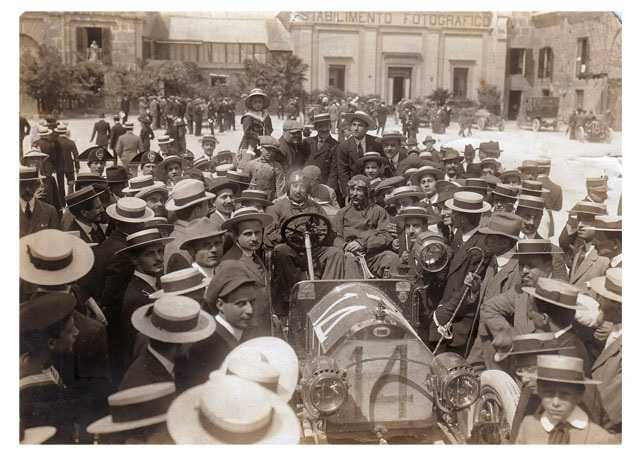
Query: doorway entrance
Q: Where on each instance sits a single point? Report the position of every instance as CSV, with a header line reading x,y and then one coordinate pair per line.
x,y
399,83
515,96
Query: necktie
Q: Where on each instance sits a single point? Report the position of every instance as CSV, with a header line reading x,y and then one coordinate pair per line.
x,y
560,434
27,211
96,234
582,252
360,151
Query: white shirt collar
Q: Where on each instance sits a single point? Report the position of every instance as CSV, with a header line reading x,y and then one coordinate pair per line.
x,y
466,236
225,218
168,364
503,259
235,332
560,332
615,261
150,280
614,335
395,159
85,227
577,418
206,272
32,204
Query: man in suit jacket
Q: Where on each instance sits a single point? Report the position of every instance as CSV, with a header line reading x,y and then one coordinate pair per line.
x,y
351,150
578,227
393,151
101,132
234,293
35,215
291,147
87,212
127,147
69,152
116,131
553,198
320,151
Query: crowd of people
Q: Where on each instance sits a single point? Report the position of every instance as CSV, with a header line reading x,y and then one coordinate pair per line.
x,y
151,289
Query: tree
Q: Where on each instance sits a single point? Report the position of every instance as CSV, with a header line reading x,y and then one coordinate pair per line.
x,y
283,73
45,78
440,95
489,98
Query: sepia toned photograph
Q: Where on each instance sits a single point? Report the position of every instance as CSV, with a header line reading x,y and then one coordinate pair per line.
x,y
320,227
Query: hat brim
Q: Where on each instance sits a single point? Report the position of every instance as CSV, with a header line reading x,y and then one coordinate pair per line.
x,y
213,233
205,328
264,218
368,120
598,286
513,197
169,160
402,218
85,199
252,96
161,293
128,190
501,356
486,206
404,195
111,211
435,172
530,207
226,184
106,425
535,377
594,228
551,252
170,141
488,230
171,206
578,307
280,356
141,194
264,202
83,260
131,248
184,425
38,435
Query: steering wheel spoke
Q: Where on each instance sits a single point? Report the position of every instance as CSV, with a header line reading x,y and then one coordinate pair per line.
x,y
317,226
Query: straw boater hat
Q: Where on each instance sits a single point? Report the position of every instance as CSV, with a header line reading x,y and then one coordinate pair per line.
x,y
528,165
321,118
186,193
606,223
468,202
425,170
130,210
506,190
35,155
529,187
556,292
530,201
136,407
200,229
142,239
209,138
255,93
52,258
362,116
503,224
222,170
29,174
371,156
561,369
255,195
413,212
239,177
141,182
404,192
247,214
156,187
535,247
170,160
609,285
174,319
268,361
530,344
202,163
232,410
450,154
588,208
180,282
165,139
81,196
36,435
478,185
128,125
509,174
158,222
393,135
44,131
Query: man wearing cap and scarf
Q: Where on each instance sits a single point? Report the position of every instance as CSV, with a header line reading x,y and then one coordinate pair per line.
x,y
354,148
291,146
320,150
361,228
266,171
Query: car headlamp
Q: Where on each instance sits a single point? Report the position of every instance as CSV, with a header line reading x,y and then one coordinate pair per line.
x,y
431,253
324,387
455,383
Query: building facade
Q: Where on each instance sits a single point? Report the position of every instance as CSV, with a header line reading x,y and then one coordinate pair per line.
x,y
576,56
401,54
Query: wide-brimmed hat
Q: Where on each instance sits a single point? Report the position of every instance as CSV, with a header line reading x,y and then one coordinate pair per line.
x,y
186,193
84,179
136,407
491,148
174,319
609,285
269,141
392,135
468,202
200,229
247,214
450,154
437,173
239,177
371,156
536,247
141,182
130,210
413,212
561,369
321,118
29,174
35,155
503,224
606,223
222,182
506,190
556,292
530,344
584,207
164,139
478,185
528,165
36,435
268,361
51,258
156,187
506,175
97,152
44,131
490,161
362,116
530,201
529,187
404,192
230,410
255,195
169,160
389,183
257,93
144,238
202,163
81,196
117,174
44,310
180,282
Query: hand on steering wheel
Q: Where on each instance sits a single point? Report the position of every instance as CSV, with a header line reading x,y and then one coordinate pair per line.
x,y
317,226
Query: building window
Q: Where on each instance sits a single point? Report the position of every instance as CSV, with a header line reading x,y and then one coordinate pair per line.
x,y
146,49
516,61
546,93
460,79
336,76
161,51
260,53
233,54
545,63
217,79
218,53
93,44
246,52
582,58
579,98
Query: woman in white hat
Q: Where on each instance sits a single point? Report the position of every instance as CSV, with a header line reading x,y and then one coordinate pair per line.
x,y
230,410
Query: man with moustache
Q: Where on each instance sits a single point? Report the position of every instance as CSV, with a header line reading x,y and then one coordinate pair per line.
x,y
291,146
393,151
320,150
156,196
204,244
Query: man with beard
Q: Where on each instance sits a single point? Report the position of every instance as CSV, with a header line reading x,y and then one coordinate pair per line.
x,y
320,150
156,196
87,210
291,146
35,214
451,159
393,151
145,249
209,143
361,229
354,148
288,263
608,238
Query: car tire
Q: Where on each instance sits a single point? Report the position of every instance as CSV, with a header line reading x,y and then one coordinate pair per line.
x,y
499,395
482,123
536,125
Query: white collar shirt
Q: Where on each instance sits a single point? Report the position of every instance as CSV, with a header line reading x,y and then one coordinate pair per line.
x,y
235,332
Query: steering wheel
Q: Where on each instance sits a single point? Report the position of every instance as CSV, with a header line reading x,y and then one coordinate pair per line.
x,y
293,230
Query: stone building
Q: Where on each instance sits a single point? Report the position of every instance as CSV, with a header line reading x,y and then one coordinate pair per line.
x,y
576,56
401,54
